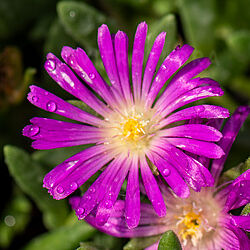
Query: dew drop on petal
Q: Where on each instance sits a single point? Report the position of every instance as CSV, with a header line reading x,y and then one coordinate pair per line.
x,y
88,197
60,189
199,109
73,185
80,210
108,204
34,130
92,76
166,172
164,67
34,98
51,106
50,65
92,190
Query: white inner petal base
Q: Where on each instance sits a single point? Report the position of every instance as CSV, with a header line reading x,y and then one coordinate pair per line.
x,y
131,130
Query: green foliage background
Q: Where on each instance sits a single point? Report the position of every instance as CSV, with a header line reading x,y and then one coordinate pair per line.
x,y
30,218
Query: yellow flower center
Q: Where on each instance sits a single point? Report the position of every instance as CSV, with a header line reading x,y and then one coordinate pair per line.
x,y
133,129
190,225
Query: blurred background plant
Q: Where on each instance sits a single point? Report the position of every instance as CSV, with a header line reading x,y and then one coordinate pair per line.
x,y
29,29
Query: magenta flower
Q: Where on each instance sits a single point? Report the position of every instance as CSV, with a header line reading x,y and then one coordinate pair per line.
x,y
133,129
201,221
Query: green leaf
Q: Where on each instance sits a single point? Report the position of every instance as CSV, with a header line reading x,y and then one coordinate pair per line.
x,y
169,241
81,22
57,38
141,243
28,174
246,210
239,43
16,217
87,246
235,172
84,107
63,238
167,24
198,18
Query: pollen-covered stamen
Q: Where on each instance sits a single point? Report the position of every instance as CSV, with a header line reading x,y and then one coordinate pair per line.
x,y
189,227
133,128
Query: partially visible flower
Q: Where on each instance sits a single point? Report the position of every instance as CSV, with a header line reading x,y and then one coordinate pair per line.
x,y
135,128
203,220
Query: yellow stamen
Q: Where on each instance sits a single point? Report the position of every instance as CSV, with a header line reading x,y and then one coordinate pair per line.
x,y
132,129
189,226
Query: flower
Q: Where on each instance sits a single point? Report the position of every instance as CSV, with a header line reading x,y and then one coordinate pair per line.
x,y
201,221
133,128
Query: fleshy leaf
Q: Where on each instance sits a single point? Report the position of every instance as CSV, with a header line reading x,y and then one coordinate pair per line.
x,y
28,174
169,240
198,19
246,210
63,238
16,217
81,21
140,243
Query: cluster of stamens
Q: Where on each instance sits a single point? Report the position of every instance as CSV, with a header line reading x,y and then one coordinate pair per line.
x,y
132,130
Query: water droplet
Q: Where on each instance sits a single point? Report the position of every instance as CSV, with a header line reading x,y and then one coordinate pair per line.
x,y
46,93
34,98
108,204
51,106
199,109
164,67
72,13
73,185
60,189
80,210
34,130
166,172
50,65
92,190
88,197
92,76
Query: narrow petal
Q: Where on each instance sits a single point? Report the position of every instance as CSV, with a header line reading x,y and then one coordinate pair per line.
x,y
193,172
108,57
241,221
116,225
152,189
58,131
137,58
194,131
200,111
61,171
207,149
79,176
151,64
170,65
239,240
188,97
106,205
230,131
171,175
132,204
98,189
83,66
183,81
121,54
49,102
63,75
